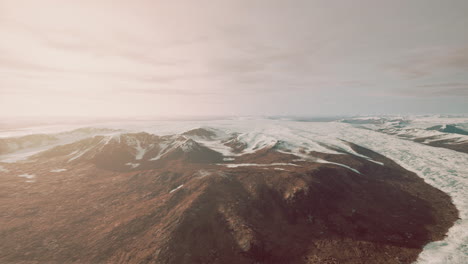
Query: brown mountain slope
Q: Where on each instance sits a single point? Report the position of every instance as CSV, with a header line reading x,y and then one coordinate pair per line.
x,y
266,207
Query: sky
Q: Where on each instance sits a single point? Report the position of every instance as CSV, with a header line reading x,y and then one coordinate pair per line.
x,y
239,57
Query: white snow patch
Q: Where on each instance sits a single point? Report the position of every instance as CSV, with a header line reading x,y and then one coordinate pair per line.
x,y
58,170
27,176
133,165
140,151
2,169
280,169
115,136
338,164
376,162
298,160
187,146
257,165
203,173
218,146
178,187
79,154
165,147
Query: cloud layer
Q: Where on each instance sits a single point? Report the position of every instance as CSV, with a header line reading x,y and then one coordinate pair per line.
x,y
135,58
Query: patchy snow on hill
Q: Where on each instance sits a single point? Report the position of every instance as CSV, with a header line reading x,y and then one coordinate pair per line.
x,y
173,190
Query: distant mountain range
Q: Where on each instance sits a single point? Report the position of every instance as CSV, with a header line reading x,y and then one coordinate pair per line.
x,y
450,136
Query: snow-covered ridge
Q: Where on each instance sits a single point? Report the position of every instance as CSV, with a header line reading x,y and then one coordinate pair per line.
x,y
235,140
230,142
126,151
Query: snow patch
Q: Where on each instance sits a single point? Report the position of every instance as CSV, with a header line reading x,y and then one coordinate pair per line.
x,y
58,170
338,164
78,154
27,176
178,187
133,165
280,169
376,162
140,151
257,165
202,173
188,146
2,169
165,147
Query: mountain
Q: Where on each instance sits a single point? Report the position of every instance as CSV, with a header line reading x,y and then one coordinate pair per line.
x,y
449,136
201,133
131,151
395,122
36,143
9,145
449,129
209,196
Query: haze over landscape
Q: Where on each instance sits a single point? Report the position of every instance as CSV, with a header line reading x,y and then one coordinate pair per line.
x,y
140,58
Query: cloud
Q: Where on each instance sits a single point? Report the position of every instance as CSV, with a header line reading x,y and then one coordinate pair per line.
x,y
451,89
445,89
230,53
122,44
431,62
461,91
24,65
440,85
32,70
168,91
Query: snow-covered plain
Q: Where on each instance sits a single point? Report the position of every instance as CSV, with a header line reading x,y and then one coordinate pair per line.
x,y
442,168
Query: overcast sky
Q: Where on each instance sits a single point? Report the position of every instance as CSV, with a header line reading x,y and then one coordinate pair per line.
x,y
150,57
